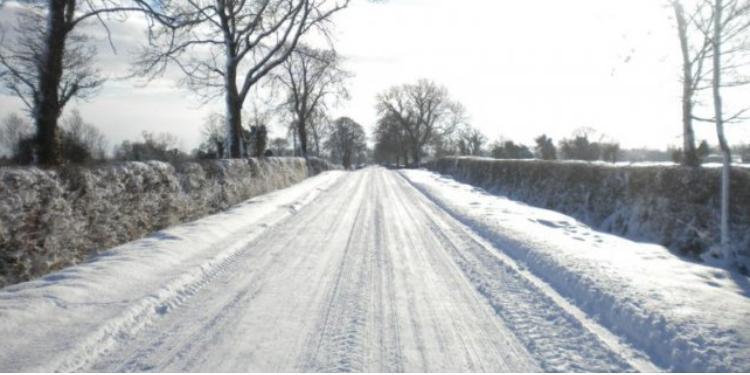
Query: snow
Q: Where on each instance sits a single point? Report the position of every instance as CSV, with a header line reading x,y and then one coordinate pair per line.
x,y
643,164
685,316
61,321
373,277
675,207
376,271
50,219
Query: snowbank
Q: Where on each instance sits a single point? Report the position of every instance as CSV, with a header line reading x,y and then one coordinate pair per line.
x,y
672,206
685,316
50,219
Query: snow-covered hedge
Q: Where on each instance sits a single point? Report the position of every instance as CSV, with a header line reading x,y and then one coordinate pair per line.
x,y
53,218
673,206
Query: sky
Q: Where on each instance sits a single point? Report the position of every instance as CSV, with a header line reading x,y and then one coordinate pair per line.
x,y
521,69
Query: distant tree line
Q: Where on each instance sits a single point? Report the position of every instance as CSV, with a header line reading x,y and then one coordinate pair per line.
x,y
80,142
343,142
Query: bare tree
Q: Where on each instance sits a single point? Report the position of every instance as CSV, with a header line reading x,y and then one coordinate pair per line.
x,y
311,77
14,129
225,47
49,62
731,21
212,146
545,148
725,25
695,46
471,141
46,65
280,146
85,134
424,110
255,138
390,141
347,141
319,127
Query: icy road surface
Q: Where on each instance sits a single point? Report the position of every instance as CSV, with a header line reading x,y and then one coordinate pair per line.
x,y
344,272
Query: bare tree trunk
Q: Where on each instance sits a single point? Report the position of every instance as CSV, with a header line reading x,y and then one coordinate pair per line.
x,y
690,156
294,143
302,137
48,107
416,154
726,153
261,138
233,111
347,160
316,139
234,128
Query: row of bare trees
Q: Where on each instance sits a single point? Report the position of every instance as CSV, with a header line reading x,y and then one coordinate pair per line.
x,y
223,48
715,48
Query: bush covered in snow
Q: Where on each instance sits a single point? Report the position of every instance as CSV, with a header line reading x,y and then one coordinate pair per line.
x,y
53,218
674,206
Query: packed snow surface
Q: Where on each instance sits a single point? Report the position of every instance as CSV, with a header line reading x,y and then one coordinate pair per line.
x,y
362,271
685,316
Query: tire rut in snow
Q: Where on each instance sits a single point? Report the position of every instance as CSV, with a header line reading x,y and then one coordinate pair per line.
x,y
387,321
205,331
339,346
358,328
554,337
439,313
134,348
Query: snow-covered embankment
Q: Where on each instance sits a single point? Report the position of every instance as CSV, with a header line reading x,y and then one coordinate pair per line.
x,y
685,316
669,205
50,219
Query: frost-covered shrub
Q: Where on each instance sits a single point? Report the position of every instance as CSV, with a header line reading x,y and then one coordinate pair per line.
x,y
32,203
53,218
316,165
674,206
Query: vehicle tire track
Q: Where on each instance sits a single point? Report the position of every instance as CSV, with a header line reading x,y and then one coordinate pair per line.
x,y
555,337
339,346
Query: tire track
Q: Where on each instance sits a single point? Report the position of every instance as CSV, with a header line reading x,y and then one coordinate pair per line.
x,y
133,345
555,336
339,346
479,352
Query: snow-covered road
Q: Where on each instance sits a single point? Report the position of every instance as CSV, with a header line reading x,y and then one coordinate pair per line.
x,y
344,272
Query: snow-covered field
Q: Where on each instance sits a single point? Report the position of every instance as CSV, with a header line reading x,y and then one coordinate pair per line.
x,y
685,316
377,270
